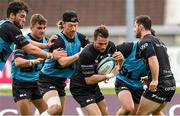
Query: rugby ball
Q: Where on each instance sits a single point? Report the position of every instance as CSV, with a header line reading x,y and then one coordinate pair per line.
x,y
106,65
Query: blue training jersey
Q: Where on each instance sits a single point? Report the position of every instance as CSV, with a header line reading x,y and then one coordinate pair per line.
x,y
71,48
6,49
29,74
132,70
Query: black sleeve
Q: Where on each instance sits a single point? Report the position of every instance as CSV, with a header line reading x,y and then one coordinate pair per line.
x,y
111,47
83,39
11,33
86,65
59,43
125,48
147,49
19,53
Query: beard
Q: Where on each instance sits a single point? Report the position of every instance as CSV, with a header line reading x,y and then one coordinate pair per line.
x,y
138,35
18,25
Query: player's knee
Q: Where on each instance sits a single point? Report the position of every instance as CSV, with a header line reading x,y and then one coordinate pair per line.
x,y
55,109
54,105
128,109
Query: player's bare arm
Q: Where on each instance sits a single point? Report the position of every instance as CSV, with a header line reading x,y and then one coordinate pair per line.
x,y
154,67
66,61
56,54
118,56
44,46
24,63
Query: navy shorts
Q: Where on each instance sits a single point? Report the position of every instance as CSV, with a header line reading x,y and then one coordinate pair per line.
x,y
47,83
165,91
25,90
86,96
136,94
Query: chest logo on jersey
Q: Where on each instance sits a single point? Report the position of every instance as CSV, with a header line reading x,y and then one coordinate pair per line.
x,y
143,46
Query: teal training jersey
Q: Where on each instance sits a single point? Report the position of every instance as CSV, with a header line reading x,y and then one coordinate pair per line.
x,y
6,49
31,73
71,48
132,70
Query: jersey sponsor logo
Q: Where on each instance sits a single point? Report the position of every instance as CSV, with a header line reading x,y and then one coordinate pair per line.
x,y
52,87
23,95
143,46
157,97
18,36
88,72
170,88
87,66
123,87
89,100
160,45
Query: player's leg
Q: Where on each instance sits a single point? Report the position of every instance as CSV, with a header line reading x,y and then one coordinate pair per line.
x,y
53,101
103,107
158,111
147,106
24,107
40,104
129,98
86,99
49,88
37,100
127,104
100,101
92,109
169,95
62,99
22,97
154,102
135,109
136,96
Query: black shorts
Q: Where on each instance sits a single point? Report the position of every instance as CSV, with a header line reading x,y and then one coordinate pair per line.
x,y
136,94
86,96
47,83
25,90
165,91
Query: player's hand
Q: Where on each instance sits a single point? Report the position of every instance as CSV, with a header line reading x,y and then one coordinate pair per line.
x,y
144,80
153,85
58,53
51,40
118,56
109,76
36,61
39,60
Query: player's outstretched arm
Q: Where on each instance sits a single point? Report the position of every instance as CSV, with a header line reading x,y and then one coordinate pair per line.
x,y
45,45
35,51
66,61
24,63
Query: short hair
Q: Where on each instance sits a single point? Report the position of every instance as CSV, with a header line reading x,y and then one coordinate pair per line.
x,y
38,18
16,6
145,21
101,31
